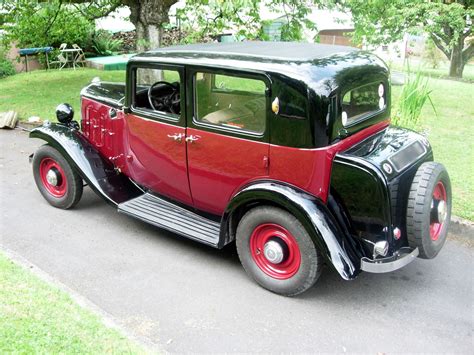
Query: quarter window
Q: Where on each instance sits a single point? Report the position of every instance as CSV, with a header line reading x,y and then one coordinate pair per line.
x,y
362,102
230,102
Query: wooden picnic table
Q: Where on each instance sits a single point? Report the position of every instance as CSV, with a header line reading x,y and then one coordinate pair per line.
x,y
71,54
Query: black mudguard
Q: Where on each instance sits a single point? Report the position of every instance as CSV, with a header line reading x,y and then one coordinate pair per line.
x,y
371,182
95,170
327,235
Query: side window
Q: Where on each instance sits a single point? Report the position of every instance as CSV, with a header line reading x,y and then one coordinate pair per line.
x,y
158,90
233,83
230,102
362,101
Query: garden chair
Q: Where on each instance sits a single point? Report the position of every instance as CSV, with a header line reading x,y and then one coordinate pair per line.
x,y
61,62
80,58
62,59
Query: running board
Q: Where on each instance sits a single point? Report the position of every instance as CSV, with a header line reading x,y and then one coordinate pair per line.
x,y
169,216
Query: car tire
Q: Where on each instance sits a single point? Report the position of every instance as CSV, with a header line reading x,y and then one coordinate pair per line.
x,y
56,179
429,209
301,264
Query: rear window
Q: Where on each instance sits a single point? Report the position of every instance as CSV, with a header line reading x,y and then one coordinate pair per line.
x,y
363,102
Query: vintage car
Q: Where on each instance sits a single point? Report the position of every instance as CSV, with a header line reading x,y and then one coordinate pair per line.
x,y
284,148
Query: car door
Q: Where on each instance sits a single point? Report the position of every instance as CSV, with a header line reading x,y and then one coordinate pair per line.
x,y
227,135
156,157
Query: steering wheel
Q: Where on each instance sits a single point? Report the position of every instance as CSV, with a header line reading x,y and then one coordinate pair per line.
x,y
167,102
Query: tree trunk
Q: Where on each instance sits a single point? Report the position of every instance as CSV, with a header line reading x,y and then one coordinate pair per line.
x,y
148,16
456,65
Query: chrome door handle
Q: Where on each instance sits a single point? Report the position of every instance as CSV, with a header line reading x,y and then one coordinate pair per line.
x,y
192,138
176,137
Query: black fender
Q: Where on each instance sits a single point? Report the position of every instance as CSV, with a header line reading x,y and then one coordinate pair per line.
x,y
95,170
315,216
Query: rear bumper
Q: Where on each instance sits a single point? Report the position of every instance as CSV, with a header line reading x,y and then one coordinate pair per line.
x,y
401,258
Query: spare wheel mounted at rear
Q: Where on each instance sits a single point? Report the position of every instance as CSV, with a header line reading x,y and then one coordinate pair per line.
x,y
429,209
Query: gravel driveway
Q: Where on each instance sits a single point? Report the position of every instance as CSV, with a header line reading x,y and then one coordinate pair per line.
x,y
187,297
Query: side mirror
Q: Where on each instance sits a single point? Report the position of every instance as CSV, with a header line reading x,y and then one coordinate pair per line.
x,y
64,113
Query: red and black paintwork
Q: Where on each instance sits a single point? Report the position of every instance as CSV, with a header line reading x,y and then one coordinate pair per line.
x,y
328,176
380,197
98,172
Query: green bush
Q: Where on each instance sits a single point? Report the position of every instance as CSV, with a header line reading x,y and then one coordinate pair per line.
x,y
432,55
104,44
414,95
6,68
40,24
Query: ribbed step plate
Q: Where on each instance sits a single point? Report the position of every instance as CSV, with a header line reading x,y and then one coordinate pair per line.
x,y
167,215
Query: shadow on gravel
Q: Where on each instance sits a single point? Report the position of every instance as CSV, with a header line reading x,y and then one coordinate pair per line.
x,y
368,290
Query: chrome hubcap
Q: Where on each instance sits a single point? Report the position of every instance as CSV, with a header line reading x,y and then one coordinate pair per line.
x,y
52,177
442,211
273,252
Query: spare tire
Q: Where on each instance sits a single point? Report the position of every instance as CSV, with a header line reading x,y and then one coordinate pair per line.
x,y
429,209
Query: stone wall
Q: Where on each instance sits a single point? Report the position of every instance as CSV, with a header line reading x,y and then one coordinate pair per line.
x,y
19,63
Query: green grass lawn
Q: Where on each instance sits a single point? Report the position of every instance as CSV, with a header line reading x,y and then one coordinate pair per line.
x,y
39,92
37,318
450,135
441,72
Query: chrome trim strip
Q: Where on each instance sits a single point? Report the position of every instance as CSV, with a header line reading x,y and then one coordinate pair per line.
x,y
402,258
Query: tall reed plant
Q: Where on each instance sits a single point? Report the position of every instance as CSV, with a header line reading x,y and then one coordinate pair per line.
x,y
414,95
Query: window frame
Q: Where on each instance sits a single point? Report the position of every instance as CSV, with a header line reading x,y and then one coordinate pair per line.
x,y
179,120
368,115
236,132
336,130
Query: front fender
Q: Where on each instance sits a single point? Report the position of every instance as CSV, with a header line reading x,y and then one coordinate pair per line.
x,y
310,211
96,171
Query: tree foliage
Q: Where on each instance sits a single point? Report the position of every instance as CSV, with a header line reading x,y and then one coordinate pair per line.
x,y
204,18
209,18
38,24
296,14
212,17
447,22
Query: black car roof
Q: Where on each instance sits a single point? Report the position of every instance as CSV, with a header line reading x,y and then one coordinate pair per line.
x,y
322,67
277,51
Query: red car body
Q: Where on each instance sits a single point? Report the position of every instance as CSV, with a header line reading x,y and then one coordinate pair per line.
x,y
250,129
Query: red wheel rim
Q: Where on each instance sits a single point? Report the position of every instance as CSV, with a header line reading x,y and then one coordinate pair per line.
x,y
47,165
439,194
291,262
